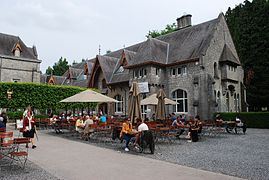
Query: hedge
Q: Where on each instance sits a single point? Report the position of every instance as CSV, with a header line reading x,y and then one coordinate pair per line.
x,y
252,119
39,96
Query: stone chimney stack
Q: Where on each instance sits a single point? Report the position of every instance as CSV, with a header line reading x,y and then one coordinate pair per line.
x,y
184,21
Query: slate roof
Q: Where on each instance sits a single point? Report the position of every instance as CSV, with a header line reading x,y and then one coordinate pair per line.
x,y
228,56
152,50
8,42
180,46
107,65
44,78
59,80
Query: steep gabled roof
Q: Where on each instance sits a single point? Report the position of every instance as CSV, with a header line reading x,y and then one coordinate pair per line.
x,y
152,50
228,56
8,42
182,45
107,65
190,42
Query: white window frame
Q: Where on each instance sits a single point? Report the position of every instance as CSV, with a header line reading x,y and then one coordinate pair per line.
x,y
184,71
179,100
118,105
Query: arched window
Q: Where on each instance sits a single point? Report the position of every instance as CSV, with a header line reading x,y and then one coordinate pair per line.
x,y
104,85
216,70
238,103
219,102
180,96
227,102
119,105
235,103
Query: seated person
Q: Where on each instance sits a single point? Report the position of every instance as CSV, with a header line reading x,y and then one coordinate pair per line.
x,y
219,120
141,128
87,127
2,124
127,132
195,128
178,124
79,125
240,124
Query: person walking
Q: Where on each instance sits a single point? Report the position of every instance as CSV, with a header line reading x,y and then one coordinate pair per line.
x,y
29,126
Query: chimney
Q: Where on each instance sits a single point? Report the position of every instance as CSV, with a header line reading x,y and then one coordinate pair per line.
x,y
184,21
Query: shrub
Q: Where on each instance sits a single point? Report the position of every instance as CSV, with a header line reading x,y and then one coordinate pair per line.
x,y
252,119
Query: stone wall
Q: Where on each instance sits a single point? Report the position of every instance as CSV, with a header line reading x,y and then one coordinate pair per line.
x,y
19,69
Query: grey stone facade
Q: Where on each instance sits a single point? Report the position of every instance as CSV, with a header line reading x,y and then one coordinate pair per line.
x,y
18,63
197,66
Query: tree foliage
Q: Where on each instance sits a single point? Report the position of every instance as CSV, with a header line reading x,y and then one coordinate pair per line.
x,y
39,96
59,68
168,29
249,26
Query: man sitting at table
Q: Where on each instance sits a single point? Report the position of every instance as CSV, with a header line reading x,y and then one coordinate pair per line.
x,y
141,128
178,124
127,132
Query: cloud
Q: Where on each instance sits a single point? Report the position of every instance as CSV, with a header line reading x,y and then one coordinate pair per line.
x,y
60,15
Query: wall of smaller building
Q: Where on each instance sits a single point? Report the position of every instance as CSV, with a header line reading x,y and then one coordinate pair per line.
x,y
24,71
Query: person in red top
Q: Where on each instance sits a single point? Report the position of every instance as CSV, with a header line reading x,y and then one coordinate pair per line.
x,y
29,126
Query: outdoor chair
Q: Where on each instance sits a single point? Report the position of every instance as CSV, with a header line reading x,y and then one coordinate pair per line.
x,y
6,147
20,154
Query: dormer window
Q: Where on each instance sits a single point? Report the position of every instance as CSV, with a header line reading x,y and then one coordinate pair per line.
x,y
17,52
120,70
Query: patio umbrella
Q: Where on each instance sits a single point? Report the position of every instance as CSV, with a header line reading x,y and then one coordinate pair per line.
x,y
160,111
88,96
134,108
153,100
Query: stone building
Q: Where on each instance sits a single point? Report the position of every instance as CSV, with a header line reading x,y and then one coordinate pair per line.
x,y
76,75
18,63
197,66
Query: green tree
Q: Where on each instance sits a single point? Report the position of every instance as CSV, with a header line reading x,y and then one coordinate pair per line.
x,y
249,25
49,71
58,68
168,29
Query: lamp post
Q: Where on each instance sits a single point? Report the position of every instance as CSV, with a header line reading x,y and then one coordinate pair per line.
x,y
9,94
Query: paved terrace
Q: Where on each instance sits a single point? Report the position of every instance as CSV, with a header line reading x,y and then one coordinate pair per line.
x,y
65,157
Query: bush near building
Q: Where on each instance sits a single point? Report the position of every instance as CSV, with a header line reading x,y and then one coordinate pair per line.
x,y
39,96
252,119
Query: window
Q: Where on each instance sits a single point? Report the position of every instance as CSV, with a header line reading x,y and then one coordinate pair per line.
x,y
227,102
16,80
119,105
219,101
173,72
238,103
145,73
157,72
120,70
179,71
140,73
136,73
17,52
184,70
144,108
180,96
216,71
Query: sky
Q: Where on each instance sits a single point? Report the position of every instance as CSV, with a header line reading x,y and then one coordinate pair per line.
x,y
74,29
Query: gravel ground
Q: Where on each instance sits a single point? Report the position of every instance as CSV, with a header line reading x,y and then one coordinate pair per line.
x,y
31,171
245,156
